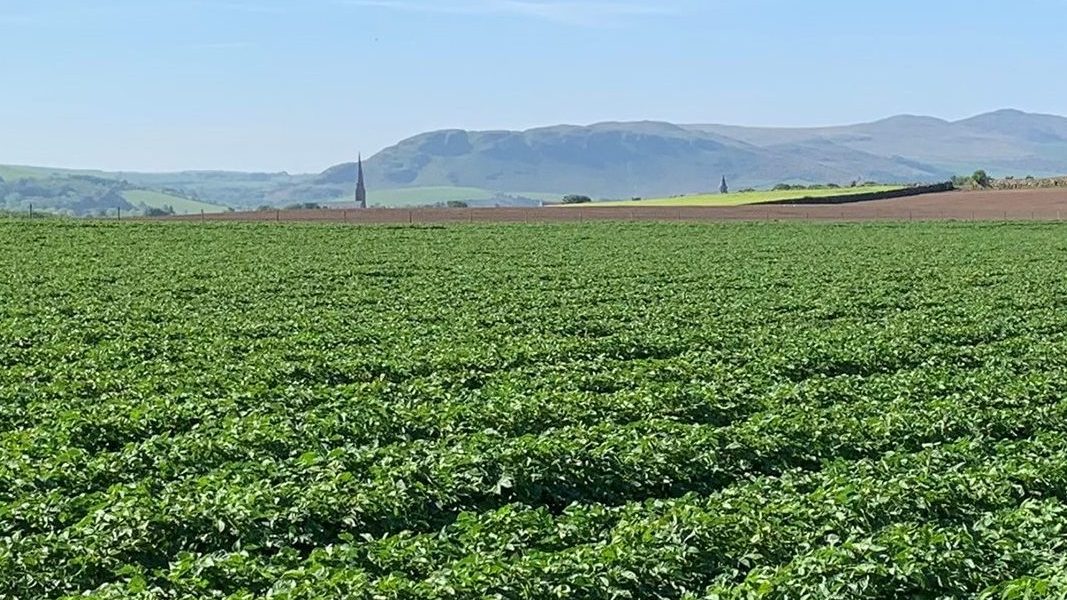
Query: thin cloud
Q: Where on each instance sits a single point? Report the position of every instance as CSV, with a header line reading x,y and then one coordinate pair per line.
x,y
575,12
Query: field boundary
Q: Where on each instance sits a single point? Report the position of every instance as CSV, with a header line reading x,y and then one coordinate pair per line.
x,y
906,192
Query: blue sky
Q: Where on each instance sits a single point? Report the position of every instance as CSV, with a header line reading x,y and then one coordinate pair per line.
x,y
301,85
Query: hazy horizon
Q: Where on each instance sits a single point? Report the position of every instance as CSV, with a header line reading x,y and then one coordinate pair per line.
x,y
369,155
273,85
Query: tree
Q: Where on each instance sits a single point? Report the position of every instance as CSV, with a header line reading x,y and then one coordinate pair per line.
x,y
576,199
456,204
981,178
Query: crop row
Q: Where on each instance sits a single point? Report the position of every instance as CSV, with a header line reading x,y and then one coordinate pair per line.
x,y
314,499
661,548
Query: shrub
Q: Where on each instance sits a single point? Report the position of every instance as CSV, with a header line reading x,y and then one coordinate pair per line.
x,y
576,199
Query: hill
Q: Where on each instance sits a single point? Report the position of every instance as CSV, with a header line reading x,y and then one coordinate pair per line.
x,y
622,160
87,193
1008,142
619,160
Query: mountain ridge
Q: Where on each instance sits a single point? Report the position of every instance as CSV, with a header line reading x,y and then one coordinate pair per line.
x,y
621,159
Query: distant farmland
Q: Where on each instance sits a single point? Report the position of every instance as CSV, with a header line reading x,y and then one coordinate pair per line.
x,y
430,195
181,206
1017,205
741,198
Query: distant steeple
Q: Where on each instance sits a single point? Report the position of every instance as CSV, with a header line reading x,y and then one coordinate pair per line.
x,y
722,188
361,190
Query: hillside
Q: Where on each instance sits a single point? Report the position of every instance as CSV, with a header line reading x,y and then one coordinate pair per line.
x,y
161,200
77,193
619,160
1008,142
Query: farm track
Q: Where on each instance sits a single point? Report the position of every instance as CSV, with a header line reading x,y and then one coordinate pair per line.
x,y
1013,205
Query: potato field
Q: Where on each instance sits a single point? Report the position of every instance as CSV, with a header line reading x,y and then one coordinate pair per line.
x,y
594,411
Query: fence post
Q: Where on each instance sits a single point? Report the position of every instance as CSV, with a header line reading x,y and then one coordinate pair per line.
x,y
525,216
202,217
118,213
470,215
277,215
31,212
411,217
344,215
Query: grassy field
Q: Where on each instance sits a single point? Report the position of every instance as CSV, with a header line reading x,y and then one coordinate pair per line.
x,y
747,197
182,206
646,410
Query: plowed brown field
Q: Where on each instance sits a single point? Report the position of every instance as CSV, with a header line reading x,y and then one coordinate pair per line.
x,y
1046,205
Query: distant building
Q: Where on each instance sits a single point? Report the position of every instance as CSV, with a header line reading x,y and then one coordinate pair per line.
x,y
722,187
361,190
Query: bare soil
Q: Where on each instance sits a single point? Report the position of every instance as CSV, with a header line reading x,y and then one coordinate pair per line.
x,y
1008,205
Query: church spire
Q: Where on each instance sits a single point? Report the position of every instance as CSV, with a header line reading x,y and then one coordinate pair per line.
x,y
361,190
723,189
